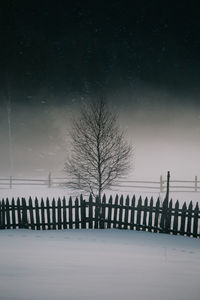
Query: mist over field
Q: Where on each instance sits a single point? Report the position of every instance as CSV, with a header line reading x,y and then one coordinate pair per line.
x,y
144,57
165,135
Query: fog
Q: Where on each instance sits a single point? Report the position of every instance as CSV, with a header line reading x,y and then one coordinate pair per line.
x,y
163,128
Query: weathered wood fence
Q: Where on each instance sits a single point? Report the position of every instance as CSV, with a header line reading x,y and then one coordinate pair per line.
x,y
114,213
159,186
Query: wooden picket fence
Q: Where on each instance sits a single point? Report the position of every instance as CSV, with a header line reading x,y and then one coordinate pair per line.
x,y
110,213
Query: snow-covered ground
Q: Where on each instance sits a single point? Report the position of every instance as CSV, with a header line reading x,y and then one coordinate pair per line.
x,y
98,264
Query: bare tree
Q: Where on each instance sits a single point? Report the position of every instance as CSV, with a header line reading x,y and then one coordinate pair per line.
x,y
100,153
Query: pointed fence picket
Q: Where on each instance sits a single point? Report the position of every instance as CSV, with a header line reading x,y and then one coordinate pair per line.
x,y
83,213
31,213
110,207
115,212
43,215
13,214
145,214
7,214
103,212
132,213
150,215
76,214
120,213
59,213
157,212
189,221
90,212
195,224
183,219
70,214
126,214
64,214
139,210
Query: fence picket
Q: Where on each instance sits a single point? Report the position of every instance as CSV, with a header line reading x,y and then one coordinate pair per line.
x,y
103,210
175,225
24,214
3,210
90,212
120,212
157,213
126,213
145,214
97,211
139,206
70,213
189,220
115,211
76,213
7,214
195,224
43,215
109,212
48,214
54,213
13,214
37,214
150,215
59,213
183,217
169,217
3,214
19,213
163,219
132,213
64,214
31,213
83,213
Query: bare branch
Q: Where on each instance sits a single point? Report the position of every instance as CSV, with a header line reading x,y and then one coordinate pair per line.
x,y
100,153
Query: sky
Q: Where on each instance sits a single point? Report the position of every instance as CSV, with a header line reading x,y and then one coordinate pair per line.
x,y
144,56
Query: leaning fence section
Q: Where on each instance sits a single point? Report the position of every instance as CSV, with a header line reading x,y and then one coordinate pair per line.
x,y
142,214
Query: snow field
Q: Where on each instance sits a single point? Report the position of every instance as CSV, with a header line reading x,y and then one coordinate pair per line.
x,y
45,192
98,264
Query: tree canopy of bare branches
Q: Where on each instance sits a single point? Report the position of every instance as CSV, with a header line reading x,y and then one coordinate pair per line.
x,y
100,153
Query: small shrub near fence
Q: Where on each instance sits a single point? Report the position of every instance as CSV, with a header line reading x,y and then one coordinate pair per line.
x,y
146,215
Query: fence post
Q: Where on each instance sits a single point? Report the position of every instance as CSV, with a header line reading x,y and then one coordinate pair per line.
x,y
167,193
49,180
195,184
161,184
164,223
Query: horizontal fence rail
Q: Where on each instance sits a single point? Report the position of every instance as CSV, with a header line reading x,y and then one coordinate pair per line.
x,y
145,215
60,182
